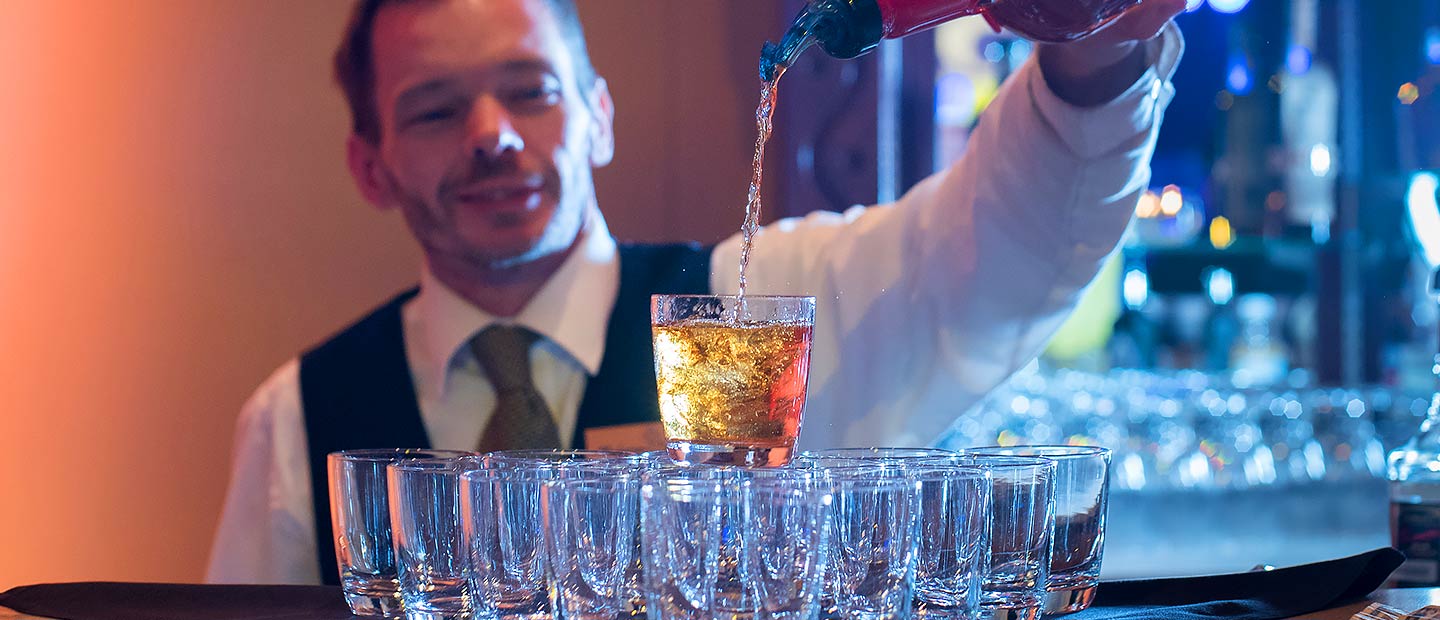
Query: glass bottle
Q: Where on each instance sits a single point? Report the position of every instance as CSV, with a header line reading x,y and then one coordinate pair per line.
x,y
849,28
1414,473
1257,358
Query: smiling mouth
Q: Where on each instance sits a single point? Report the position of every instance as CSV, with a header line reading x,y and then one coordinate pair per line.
x,y
509,197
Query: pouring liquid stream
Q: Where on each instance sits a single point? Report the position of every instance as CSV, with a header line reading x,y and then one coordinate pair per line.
x,y
764,120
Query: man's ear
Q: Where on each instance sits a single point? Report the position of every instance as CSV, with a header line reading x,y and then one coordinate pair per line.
x,y
602,130
369,173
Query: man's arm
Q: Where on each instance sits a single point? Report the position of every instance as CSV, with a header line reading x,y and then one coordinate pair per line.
x,y
926,304
267,532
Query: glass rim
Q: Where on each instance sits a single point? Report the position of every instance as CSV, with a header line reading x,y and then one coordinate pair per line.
x,y
387,455
562,452
659,457
555,457
805,494
705,489
1053,452
887,455
931,470
588,484
428,464
849,480
675,471
775,473
542,475
1007,461
881,451
658,296
835,463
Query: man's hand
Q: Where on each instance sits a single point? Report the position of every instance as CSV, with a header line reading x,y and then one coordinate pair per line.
x,y
1099,67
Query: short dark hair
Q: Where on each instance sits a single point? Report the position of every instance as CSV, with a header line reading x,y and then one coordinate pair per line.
x,y
355,61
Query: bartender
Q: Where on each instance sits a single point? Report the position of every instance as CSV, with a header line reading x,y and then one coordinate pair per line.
x,y
481,122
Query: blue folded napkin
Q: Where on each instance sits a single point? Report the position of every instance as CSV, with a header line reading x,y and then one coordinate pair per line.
x,y
1267,595
1259,595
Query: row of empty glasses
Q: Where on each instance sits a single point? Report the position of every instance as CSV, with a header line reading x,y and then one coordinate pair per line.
x,y
852,534
1188,430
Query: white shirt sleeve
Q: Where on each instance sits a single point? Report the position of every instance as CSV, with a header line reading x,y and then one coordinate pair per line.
x,y
267,528
926,304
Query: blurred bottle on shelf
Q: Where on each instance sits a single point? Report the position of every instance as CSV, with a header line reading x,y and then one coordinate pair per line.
x,y
1414,472
1257,358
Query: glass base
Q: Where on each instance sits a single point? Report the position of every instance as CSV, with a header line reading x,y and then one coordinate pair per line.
x,y
690,453
1069,600
996,612
412,614
374,605
955,612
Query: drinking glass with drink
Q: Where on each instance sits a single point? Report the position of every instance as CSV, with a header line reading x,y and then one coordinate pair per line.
x,y
732,373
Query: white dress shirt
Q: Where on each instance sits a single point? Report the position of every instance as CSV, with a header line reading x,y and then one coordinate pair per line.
x,y
922,306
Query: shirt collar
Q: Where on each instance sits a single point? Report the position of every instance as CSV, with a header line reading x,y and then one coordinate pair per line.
x,y
572,309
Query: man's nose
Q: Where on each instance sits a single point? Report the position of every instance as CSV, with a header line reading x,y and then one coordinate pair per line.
x,y
492,131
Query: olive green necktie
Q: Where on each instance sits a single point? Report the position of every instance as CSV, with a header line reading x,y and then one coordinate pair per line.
x,y
521,420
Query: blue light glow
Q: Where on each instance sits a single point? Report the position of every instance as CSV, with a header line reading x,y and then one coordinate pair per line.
x,y
1297,60
1237,78
1136,289
1020,50
1220,286
1424,212
1229,6
994,51
1432,45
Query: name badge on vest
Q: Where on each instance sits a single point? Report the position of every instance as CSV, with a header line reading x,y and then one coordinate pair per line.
x,y
638,437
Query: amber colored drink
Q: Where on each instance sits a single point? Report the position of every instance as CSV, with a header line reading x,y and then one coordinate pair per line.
x,y
732,391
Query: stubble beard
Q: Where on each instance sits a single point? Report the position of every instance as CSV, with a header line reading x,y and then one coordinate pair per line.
x,y
433,227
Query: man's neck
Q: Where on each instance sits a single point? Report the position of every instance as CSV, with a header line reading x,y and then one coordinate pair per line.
x,y
501,291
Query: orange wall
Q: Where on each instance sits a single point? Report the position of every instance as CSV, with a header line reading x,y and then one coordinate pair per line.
x,y
685,79
176,221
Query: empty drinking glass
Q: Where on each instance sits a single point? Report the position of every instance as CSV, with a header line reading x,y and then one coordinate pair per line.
x,y
1022,517
1078,537
871,573
680,512
429,551
592,523
786,524
360,514
954,538
721,542
953,520
502,517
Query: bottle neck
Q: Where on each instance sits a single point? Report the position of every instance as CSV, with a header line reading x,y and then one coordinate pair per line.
x,y
843,28
847,28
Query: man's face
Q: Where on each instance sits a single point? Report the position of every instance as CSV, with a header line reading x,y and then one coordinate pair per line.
x,y
487,141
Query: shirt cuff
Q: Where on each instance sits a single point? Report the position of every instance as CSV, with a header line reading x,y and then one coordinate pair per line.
x,y
1094,131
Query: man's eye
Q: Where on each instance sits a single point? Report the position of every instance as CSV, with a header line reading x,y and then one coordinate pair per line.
x,y
432,116
540,95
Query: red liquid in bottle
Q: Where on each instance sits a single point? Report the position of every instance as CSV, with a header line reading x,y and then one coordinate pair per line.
x,y
1056,20
849,28
1041,20
902,17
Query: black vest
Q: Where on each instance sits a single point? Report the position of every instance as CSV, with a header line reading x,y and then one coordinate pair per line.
x,y
357,392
